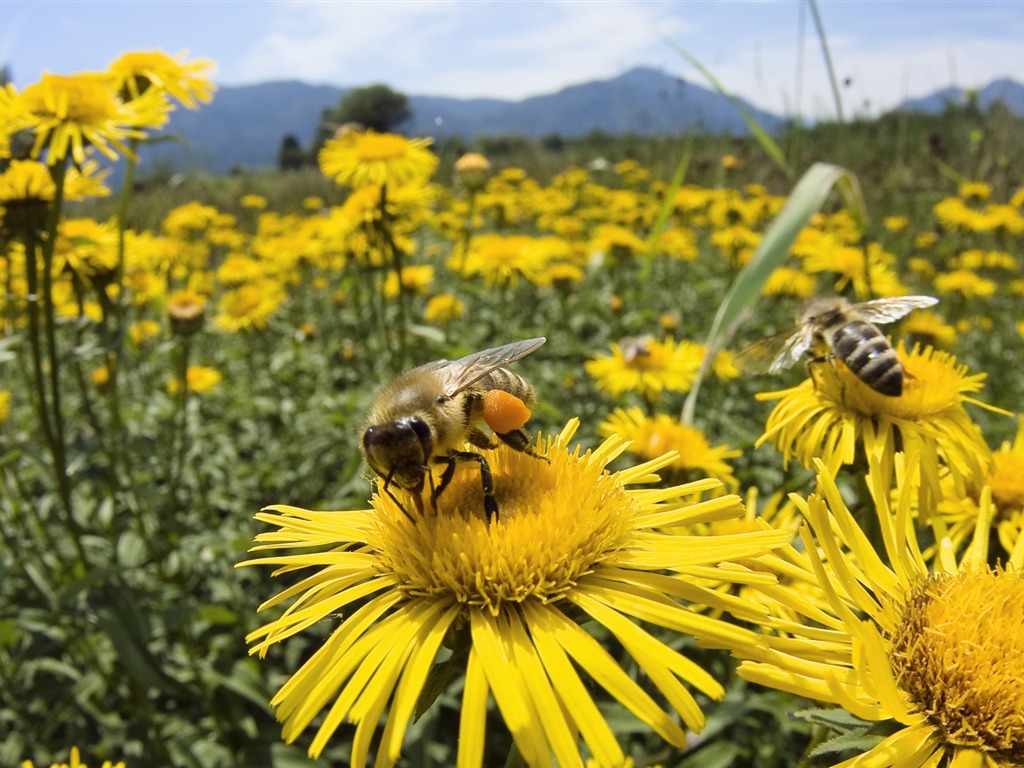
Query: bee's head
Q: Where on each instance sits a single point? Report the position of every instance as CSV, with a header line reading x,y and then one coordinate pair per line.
x,y
399,451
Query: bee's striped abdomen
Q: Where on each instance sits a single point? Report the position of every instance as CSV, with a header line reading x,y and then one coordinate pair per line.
x,y
869,355
507,381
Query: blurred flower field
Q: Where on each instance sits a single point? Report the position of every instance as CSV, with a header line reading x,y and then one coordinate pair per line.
x,y
705,567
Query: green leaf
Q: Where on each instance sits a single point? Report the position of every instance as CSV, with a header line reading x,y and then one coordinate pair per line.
x,y
834,717
666,209
804,201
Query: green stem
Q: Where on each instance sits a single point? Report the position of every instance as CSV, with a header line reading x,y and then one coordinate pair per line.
x,y
59,172
396,262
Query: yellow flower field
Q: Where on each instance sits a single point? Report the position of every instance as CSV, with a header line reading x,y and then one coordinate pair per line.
x,y
559,557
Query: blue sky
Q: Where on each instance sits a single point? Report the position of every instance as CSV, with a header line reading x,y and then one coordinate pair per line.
x,y
887,50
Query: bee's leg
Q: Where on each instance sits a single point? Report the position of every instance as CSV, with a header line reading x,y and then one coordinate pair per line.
x,y
480,440
419,501
446,477
486,478
520,441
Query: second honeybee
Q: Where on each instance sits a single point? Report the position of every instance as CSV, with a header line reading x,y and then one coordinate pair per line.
x,y
832,327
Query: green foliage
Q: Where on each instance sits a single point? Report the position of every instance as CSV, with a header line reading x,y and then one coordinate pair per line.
x,y
377,107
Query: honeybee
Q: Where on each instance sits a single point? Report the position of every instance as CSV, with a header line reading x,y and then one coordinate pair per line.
x,y
426,415
635,347
834,328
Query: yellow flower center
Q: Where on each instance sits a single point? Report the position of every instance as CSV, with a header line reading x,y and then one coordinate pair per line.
x,y
80,99
373,148
932,385
958,654
556,522
243,302
1007,480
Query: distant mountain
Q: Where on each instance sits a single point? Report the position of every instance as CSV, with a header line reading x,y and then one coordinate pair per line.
x,y
1009,92
243,126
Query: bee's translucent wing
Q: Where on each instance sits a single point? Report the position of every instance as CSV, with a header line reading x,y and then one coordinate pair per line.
x,y
463,373
887,310
773,354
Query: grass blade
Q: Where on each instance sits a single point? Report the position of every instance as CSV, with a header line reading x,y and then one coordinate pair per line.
x,y
763,137
804,201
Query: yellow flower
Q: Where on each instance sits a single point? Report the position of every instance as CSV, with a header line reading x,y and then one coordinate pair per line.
x,y
67,113
415,279
966,283
140,71
503,260
652,436
975,190
75,761
142,331
5,405
649,369
928,327
933,657
88,248
786,281
198,378
257,202
362,159
249,306
895,223
443,308
829,416
573,546
100,377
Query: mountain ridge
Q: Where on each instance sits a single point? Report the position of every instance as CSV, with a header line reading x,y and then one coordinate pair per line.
x,y
243,127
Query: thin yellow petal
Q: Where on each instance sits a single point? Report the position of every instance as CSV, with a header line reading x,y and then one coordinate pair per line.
x,y
572,692
509,688
560,735
473,717
426,645
607,672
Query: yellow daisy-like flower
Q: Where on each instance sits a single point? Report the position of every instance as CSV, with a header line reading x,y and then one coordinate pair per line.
x,y
895,223
364,159
786,281
927,326
250,306
966,283
833,413
69,112
5,405
1004,479
415,279
188,82
198,378
572,543
653,436
443,308
256,202
75,761
504,260
649,369
88,248
142,331
934,656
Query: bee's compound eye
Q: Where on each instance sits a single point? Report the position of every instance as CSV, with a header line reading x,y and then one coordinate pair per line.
x,y
422,431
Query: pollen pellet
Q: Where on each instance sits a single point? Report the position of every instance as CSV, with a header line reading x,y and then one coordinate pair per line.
x,y
504,412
